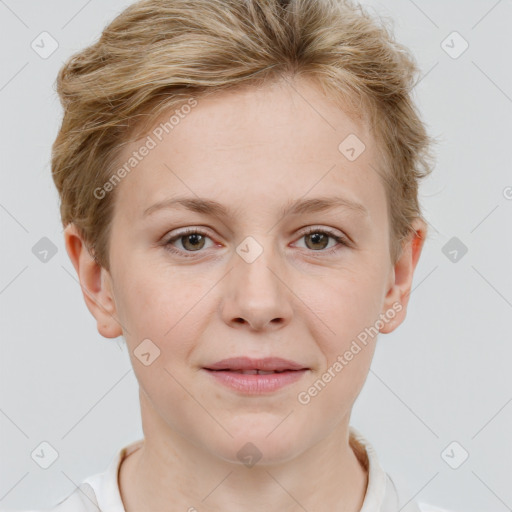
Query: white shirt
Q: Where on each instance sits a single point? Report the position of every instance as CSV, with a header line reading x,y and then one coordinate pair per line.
x,y
101,490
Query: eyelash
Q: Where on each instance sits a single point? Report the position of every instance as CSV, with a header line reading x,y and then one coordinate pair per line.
x,y
342,241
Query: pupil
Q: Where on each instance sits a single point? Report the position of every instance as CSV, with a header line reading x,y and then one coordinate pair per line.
x,y
195,239
317,238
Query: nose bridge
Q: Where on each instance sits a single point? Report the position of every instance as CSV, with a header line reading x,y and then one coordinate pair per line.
x,y
256,295
255,259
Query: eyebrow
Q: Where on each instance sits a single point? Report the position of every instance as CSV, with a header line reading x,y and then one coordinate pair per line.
x,y
296,207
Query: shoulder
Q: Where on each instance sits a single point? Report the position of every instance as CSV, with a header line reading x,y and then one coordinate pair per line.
x,y
82,499
98,492
382,492
405,505
412,505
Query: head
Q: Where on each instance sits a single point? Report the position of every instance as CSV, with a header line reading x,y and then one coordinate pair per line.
x,y
253,113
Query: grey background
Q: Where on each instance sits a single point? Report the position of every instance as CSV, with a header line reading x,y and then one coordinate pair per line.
x,y
443,376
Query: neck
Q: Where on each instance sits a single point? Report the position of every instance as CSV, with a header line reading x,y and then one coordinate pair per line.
x,y
169,473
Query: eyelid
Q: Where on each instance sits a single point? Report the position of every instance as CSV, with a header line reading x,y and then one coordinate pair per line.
x,y
338,236
314,229
187,231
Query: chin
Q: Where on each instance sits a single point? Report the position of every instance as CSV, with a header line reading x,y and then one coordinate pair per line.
x,y
263,444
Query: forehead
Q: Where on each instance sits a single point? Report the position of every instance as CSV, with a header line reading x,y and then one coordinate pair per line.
x,y
254,147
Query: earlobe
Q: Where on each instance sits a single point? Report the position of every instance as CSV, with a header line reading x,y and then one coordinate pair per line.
x,y
95,282
398,294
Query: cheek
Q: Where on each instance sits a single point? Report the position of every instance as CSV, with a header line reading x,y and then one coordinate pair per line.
x,y
346,306
163,309
347,343
153,299
333,393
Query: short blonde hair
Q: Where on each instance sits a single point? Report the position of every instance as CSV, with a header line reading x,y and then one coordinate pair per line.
x,y
157,54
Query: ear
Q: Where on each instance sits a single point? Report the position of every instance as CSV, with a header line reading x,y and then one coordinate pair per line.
x,y
96,284
397,296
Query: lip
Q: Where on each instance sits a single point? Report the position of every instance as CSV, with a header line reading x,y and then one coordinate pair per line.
x,y
265,364
255,384
225,372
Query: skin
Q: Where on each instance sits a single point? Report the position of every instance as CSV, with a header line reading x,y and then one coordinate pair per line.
x,y
252,150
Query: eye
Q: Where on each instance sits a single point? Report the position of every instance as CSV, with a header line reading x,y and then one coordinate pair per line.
x,y
317,240
191,240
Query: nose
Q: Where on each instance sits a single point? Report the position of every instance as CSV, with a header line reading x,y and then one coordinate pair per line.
x,y
256,295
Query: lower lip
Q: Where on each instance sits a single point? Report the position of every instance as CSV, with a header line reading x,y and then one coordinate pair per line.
x,y
256,384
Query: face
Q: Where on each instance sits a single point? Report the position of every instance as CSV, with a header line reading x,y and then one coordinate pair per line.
x,y
270,271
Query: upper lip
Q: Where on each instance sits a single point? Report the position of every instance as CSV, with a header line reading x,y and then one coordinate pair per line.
x,y
265,364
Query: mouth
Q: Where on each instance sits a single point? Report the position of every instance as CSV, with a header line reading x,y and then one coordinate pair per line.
x,y
252,366
256,376
252,372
